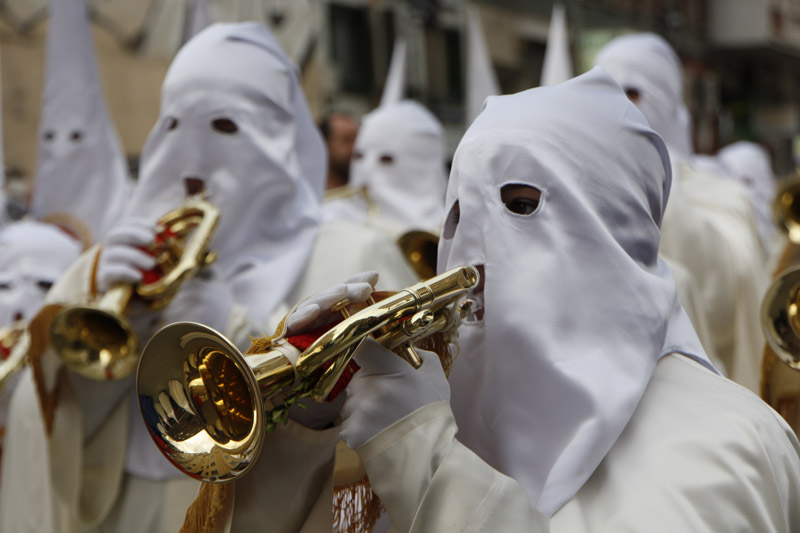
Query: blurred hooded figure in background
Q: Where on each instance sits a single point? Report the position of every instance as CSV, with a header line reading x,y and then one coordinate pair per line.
x,y
582,395
398,161
709,229
33,255
82,180
750,165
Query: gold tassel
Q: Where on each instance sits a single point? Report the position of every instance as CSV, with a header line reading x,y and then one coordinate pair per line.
x,y
356,508
39,330
204,514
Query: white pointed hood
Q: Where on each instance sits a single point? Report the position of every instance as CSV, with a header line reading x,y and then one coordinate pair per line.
x,y
199,18
81,177
33,255
557,65
481,78
647,63
395,87
266,177
399,158
749,164
578,305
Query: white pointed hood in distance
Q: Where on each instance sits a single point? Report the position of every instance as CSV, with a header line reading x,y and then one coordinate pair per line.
x,y
647,63
399,157
557,65
481,78
578,305
749,164
233,115
81,178
395,87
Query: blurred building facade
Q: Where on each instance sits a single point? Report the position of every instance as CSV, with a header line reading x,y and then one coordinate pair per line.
x,y
741,57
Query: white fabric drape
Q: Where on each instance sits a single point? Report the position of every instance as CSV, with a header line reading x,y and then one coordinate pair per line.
x,y
578,305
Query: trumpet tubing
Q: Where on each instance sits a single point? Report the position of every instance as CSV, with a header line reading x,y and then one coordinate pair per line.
x,y
207,405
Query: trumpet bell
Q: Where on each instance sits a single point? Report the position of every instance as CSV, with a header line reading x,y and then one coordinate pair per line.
x,y
780,317
421,249
94,342
786,208
200,403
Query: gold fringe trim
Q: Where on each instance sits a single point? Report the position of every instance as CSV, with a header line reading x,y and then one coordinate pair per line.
x,y
356,508
39,330
203,515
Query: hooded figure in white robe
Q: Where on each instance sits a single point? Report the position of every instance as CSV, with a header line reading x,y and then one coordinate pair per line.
x,y
710,228
582,396
33,255
234,126
398,160
81,178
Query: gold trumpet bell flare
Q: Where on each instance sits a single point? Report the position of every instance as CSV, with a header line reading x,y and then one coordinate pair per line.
x,y
198,402
94,343
780,317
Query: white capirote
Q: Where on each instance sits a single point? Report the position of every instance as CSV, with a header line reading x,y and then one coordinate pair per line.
x,y
578,305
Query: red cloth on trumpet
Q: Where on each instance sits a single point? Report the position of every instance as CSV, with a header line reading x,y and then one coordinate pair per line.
x,y
302,341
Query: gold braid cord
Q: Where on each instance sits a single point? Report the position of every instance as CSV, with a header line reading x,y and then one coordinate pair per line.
x,y
204,514
39,330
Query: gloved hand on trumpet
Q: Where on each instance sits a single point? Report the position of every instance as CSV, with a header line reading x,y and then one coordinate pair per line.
x,y
125,259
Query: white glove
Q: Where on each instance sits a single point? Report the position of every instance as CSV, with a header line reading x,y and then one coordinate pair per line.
x,y
205,298
387,389
121,261
313,313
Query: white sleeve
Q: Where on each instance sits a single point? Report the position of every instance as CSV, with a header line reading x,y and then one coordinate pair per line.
x,y
428,481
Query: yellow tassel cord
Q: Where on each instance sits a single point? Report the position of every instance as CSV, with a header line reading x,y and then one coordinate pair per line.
x,y
204,514
39,330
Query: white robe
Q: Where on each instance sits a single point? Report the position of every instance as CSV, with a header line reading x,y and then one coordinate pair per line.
x,y
77,477
710,230
699,454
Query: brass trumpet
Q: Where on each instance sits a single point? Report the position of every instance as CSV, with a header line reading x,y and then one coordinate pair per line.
x,y
207,406
14,341
95,339
786,208
780,317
